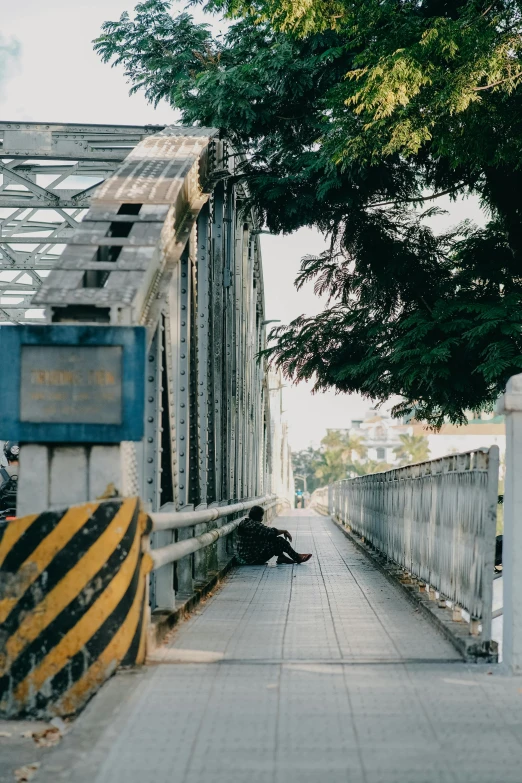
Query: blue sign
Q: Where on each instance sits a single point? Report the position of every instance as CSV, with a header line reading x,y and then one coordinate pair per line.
x,y
72,383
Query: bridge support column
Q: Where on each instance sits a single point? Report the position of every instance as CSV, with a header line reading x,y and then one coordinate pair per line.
x,y
511,405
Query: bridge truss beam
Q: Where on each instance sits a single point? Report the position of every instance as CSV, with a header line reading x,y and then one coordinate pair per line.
x,y
48,176
167,244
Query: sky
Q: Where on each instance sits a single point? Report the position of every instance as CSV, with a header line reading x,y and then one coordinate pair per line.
x,y
49,73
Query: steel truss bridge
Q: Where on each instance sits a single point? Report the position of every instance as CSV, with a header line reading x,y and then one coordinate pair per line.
x,y
144,226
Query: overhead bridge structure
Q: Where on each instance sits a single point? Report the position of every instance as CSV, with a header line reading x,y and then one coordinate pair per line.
x,y
144,226
49,173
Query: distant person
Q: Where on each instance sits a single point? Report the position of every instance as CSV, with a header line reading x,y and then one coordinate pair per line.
x,y
256,543
9,478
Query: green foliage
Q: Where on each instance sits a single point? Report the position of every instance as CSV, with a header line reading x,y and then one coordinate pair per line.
x,y
351,115
338,451
367,467
413,448
305,463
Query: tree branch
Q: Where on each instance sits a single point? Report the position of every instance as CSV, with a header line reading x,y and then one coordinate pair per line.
x,y
420,198
495,84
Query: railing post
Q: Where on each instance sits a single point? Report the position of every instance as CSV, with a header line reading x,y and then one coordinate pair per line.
x,y
490,525
164,595
184,566
222,554
163,578
511,405
201,558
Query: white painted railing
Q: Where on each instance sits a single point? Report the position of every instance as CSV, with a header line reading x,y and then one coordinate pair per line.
x,y
319,500
436,519
175,520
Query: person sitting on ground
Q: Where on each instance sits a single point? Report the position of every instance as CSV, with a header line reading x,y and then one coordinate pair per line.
x,y
256,543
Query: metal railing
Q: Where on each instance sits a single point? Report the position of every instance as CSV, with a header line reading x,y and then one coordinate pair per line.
x,y
319,500
176,520
436,519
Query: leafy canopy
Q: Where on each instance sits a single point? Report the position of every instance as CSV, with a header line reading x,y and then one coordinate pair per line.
x,y
353,117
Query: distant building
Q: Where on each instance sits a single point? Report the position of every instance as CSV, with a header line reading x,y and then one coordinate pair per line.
x,y
380,434
482,430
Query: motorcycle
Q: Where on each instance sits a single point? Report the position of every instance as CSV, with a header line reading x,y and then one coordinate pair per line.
x,y
7,515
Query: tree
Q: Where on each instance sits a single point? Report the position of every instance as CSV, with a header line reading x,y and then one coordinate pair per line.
x,y
413,448
305,463
369,466
338,450
352,117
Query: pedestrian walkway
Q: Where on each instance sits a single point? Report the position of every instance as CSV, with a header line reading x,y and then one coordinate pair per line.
x,y
326,674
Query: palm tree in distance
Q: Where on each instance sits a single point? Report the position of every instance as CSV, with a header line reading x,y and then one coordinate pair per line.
x,y
369,466
413,448
338,450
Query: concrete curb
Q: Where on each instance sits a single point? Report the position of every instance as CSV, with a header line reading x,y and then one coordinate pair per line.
x,y
471,648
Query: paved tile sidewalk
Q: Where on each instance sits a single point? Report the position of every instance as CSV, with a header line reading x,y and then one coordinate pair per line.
x,y
328,675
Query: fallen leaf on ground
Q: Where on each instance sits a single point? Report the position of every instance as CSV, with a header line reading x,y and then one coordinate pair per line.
x,y
26,773
48,737
5,734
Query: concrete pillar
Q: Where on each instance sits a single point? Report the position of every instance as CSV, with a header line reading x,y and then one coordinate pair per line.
x,y
57,476
511,405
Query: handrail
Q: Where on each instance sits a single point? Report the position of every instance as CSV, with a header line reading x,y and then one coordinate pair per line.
x,y
436,519
173,552
173,520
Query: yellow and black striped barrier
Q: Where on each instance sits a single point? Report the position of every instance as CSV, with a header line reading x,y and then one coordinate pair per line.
x,y
72,604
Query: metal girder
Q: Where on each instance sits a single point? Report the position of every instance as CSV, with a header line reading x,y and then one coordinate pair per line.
x,y
49,173
71,141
